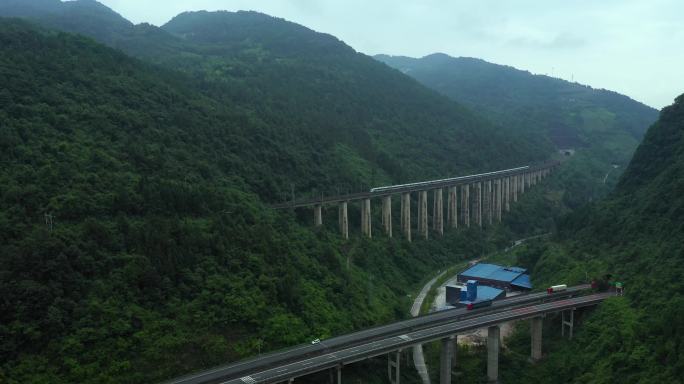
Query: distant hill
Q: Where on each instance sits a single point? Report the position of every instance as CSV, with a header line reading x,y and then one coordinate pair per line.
x,y
602,127
87,17
571,114
308,84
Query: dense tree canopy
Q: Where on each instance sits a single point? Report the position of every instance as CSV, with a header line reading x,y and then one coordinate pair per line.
x,y
603,127
636,235
135,243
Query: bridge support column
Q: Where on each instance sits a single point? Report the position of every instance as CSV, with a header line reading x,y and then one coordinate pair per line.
x,y
452,212
338,375
507,192
454,355
394,366
489,202
515,188
499,197
495,202
438,212
387,215
478,203
536,333
493,354
422,214
570,323
344,221
465,204
528,179
366,217
318,215
445,360
521,182
406,215
503,194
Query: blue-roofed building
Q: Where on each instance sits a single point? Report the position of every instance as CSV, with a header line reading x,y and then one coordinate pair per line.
x,y
507,278
483,293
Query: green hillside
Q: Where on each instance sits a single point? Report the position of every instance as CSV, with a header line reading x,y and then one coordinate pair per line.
x,y
312,90
603,127
135,238
636,235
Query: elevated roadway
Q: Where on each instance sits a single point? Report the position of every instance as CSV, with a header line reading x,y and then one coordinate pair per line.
x,y
279,358
338,358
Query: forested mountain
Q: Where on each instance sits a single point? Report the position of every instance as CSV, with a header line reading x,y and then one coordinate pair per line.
x,y
136,241
603,127
136,238
317,96
636,235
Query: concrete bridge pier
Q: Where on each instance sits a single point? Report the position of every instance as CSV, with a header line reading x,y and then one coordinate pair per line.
x,y
406,215
318,215
488,201
495,201
515,188
478,203
493,334
536,333
366,217
528,180
521,181
465,204
335,375
452,208
394,366
422,214
570,323
499,196
344,220
387,215
445,360
507,192
438,212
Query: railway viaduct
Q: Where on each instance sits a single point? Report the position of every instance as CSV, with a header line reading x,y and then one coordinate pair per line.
x,y
474,200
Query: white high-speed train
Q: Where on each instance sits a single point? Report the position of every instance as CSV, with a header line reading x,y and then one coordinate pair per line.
x,y
390,188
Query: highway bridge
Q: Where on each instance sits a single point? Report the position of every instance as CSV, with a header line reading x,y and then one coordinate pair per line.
x,y
391,339
492,194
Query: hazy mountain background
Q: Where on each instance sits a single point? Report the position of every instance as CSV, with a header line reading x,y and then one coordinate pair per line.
x,y
601,126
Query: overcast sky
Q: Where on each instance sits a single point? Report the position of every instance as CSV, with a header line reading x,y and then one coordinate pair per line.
x,y
635,47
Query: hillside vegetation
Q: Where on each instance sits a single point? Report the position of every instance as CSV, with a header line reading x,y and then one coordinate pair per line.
x,y
317,98
636,235
135,240
603,127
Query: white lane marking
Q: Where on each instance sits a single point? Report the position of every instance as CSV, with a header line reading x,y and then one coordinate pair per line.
x,y
450,327
248,380
405,337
